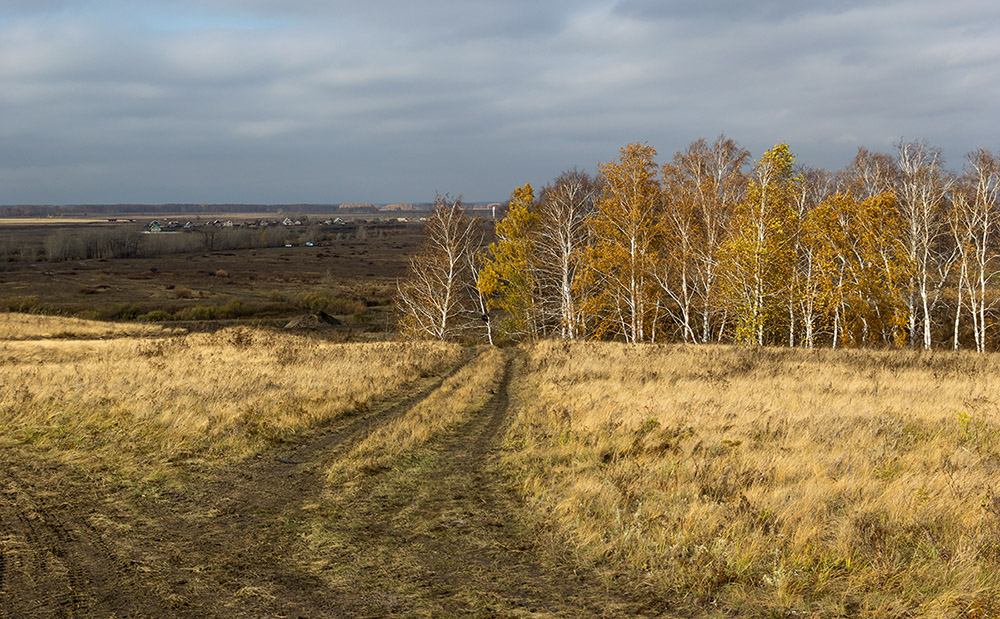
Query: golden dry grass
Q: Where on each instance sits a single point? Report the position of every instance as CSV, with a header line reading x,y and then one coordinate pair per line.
x,y
770,482
15,326
227,394
459,396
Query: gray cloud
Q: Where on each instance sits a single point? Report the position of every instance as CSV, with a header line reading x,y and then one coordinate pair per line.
x,y
285,101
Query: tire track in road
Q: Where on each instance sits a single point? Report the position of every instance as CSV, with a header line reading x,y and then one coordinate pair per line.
x,y
231,548
52,561
438,533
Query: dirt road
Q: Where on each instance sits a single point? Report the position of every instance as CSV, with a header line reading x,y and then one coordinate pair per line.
x,y
437,534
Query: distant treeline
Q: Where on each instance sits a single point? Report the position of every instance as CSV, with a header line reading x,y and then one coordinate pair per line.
x,y
47,210
127,242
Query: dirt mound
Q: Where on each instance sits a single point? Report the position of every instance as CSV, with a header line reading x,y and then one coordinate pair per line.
x,y
319,320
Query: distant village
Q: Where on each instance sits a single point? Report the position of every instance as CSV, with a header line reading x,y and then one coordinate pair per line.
x,y
253,224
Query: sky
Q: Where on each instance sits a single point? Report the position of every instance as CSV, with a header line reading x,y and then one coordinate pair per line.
x,y
320,101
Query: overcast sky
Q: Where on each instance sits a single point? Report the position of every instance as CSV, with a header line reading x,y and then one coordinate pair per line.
x,y
285,101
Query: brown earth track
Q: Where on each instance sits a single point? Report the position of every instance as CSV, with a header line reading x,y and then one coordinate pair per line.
x,y
53,562
456,547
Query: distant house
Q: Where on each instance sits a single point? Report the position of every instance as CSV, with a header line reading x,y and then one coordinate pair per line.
x,y
287,222
154,227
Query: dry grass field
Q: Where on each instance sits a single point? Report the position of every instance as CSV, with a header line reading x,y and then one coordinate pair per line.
x,y
148,398
769,482
14,326
428,479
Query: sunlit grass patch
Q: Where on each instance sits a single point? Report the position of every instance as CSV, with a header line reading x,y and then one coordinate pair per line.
x,y
460,395
828,482
221,395
18,326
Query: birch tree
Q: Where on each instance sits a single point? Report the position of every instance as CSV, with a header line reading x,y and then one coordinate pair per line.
x,y
871,174
974,219
560,247
804,290
921,191
710,180
433,298
625,237
757,252
675,269
862,268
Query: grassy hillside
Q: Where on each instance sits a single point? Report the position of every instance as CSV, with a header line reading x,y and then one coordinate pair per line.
x,y
752,482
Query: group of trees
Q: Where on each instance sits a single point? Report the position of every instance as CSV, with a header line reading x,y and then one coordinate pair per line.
x,y
712,246
129,242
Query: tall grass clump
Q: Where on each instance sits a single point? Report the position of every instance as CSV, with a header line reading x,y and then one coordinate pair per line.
x,y
766,482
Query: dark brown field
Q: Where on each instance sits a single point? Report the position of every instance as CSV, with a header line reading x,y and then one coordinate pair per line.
x,y
349,275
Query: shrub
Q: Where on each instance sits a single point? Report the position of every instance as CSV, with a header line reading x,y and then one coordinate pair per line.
x,y
24,305
322,301
182,292
128,311
235,309
197,312
88,314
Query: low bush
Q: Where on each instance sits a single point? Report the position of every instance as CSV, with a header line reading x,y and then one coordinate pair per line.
x,y
24,305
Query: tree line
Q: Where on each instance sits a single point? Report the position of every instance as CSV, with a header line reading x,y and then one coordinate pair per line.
x,y
893,250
